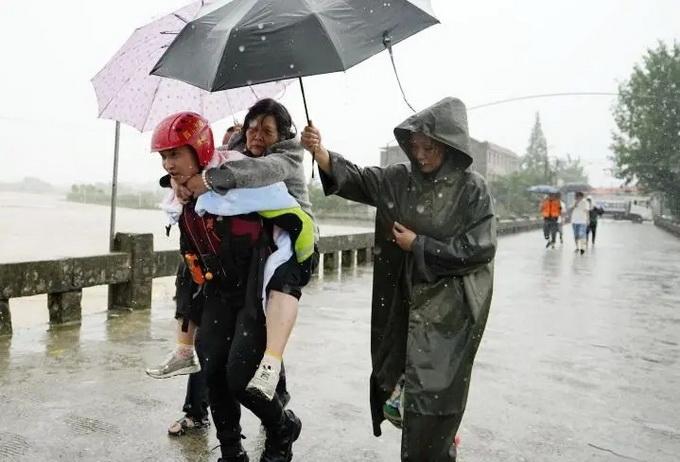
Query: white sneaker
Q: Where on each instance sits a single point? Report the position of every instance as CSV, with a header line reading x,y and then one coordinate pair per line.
x,y
265,380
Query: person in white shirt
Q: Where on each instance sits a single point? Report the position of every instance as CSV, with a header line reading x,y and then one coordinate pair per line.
x,y
561,219
580,217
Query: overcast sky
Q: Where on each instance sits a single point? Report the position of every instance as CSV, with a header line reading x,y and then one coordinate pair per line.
x,y
483,51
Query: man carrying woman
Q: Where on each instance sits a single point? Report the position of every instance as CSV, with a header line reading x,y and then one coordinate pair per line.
x,y
234,333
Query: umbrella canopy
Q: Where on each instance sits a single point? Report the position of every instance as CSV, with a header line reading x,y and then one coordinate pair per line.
x,y
127,93
543,189
576,187
233,43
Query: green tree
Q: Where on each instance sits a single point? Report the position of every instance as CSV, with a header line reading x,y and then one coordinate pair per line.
x,y
646,145
511,195
535,160
569,170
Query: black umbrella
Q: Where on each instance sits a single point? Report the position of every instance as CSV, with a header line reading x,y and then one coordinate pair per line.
x,y
576,187
543,189
233,43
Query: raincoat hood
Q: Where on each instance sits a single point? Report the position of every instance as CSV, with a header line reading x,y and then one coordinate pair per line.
x,y
444,121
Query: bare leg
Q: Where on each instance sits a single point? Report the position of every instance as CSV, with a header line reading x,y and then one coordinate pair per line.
x,y
282,310
186,338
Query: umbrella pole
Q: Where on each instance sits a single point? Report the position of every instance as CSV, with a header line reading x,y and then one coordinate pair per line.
x,y
304,100
309,122
114,186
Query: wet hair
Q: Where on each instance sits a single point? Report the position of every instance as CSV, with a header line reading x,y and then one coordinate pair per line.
x,y
269,107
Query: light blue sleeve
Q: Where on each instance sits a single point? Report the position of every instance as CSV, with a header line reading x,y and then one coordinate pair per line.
x,y
241,201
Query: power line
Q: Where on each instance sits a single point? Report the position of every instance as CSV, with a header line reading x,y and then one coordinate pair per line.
x,y
536,96
542,95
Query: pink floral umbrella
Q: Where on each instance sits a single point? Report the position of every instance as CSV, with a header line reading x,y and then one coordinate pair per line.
x,y
127,93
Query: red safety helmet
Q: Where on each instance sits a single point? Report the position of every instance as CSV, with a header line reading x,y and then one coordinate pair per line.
x,y
185,128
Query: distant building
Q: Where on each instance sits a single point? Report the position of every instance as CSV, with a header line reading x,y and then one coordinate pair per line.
x,y
492,160
489,159
391,154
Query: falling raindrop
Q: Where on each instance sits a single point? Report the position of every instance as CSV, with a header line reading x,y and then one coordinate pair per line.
x,y
420,208
263,38
260,26
292,66
390,205
241,48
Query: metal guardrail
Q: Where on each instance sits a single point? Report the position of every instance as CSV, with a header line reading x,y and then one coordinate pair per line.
x,y
130,269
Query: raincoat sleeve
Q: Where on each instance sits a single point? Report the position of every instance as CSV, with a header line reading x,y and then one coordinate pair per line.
x,y
466,252
282,162
358,184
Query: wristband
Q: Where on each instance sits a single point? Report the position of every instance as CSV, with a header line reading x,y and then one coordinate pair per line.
x,y
205,180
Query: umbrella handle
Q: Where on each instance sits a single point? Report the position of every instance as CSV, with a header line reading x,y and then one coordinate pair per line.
x,y
309,122
304,100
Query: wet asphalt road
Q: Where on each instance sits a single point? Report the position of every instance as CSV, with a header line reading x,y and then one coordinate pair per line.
x,y
580,362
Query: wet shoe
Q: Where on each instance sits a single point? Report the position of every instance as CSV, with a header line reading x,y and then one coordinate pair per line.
x,y
241,456
264,381
188,424
175,365
393,406
232,450
392,415
278,446
453,451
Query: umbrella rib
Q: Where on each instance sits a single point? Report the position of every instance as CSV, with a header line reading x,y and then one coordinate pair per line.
x,y
153,100
185,21
325,29
125,82
222,52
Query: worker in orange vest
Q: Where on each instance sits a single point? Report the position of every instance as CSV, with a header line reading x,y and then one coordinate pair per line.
x,y
551,209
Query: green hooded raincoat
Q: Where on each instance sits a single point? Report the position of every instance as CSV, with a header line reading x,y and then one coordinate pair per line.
x,y
430,305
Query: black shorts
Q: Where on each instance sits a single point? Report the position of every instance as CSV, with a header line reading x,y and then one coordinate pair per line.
x,y
188,297
291,276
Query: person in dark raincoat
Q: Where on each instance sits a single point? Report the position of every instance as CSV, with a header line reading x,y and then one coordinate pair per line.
x,y
435,241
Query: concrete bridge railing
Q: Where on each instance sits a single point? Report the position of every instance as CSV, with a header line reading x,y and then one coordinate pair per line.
x,y
667,224
130,269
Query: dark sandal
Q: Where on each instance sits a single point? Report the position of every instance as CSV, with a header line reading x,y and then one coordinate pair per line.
x,y
187,423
